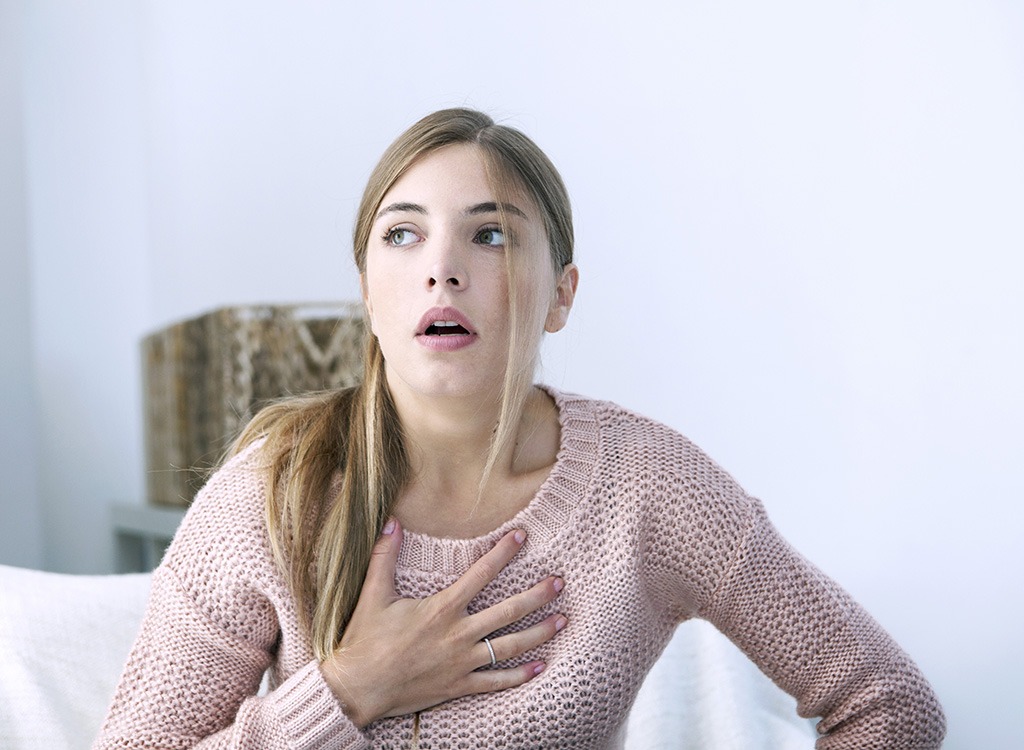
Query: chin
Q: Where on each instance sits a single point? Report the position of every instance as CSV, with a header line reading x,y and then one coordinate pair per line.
x,y
444,385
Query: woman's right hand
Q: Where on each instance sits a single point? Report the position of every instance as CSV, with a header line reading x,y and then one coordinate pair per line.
x,y
398,656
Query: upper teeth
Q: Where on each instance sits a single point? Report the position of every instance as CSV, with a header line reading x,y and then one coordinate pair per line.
x,y
445,323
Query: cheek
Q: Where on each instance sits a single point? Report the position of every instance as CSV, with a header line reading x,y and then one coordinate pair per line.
x,y
535,285
378,283
534,275
534,297
379,300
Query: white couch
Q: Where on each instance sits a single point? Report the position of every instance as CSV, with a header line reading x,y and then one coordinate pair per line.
x,y
64,638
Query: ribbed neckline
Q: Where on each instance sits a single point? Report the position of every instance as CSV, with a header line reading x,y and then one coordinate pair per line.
x,y
544,516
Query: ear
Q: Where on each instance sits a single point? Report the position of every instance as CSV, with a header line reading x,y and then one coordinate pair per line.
x,y
561,303
364,290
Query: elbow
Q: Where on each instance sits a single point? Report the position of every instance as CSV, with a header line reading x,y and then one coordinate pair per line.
x,y
903,716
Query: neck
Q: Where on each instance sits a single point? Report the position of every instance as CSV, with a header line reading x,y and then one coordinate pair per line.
x,y
448,440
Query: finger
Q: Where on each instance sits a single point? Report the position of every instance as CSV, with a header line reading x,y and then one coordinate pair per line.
x,y
380,573
492,680
516,607
515,644
484,570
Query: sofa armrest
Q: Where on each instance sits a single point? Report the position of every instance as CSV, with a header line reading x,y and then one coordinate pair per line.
x,y
64,640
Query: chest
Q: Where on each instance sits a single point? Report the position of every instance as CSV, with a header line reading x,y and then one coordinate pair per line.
x,y
595,666
471,513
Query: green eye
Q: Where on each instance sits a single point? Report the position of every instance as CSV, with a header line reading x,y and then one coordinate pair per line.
x,y
491,237
400,237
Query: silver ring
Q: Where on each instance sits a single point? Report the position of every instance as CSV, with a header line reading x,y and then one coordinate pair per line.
x,y
490,649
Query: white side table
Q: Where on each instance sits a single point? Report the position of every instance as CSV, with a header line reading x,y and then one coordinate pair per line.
x,y
142,533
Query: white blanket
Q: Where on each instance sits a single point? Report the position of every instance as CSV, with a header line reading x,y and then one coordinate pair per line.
x,y
704,694
64,639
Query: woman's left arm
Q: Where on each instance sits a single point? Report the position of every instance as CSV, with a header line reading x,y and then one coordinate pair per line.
x,y
819,645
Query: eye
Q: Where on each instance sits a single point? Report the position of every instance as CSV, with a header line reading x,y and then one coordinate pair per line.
x,y
399,237
491,236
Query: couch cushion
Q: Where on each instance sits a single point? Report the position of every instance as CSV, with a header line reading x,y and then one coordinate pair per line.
x,y
63,642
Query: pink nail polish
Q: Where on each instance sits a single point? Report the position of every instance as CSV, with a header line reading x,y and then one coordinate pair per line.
x,y
538,669
389,527
559,584
520,537
560,623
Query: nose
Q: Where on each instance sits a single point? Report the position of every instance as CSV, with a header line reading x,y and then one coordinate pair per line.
x,y
452,281
447,269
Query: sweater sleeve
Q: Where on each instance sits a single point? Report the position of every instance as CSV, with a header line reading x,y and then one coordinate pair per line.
x,y
816,643
190,684
217,617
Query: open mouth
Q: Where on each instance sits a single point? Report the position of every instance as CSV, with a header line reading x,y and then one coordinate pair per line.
x,y
445,328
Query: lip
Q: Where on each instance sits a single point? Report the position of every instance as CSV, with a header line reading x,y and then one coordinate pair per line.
x,y
443,313
450,342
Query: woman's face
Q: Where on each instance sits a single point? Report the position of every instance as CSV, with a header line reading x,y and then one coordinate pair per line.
x,y
435,282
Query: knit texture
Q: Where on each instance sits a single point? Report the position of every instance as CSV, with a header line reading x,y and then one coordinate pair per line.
x,y
646,530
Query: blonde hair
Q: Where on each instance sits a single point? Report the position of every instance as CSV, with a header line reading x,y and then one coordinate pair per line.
x,y
336,461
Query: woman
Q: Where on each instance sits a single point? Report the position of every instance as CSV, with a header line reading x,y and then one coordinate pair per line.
x,y
450,556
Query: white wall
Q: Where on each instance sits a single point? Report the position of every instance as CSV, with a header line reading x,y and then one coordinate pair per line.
x,y
21,540
799,231
90,286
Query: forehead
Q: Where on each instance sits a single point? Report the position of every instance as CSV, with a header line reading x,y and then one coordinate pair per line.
x,y
452,177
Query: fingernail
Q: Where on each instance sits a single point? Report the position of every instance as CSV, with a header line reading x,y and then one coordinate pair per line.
x,y
538,669
520,537
560,623
389,527
559,584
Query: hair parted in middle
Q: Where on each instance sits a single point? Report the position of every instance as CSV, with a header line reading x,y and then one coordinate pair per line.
x,y
336,461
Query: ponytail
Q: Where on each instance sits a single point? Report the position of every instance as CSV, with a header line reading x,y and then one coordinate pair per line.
x,y
335,463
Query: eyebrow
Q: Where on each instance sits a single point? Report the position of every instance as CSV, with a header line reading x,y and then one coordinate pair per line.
x,y
479,208
493,208
399,207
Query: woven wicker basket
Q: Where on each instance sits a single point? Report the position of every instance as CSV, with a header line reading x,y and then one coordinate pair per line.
x,y
204,379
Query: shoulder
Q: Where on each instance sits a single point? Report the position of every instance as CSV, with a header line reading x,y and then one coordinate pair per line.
x,y
685,514
608,413
220,555
230,503
633,443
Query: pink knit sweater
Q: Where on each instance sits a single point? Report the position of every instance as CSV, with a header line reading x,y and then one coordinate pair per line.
x,y
647,532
